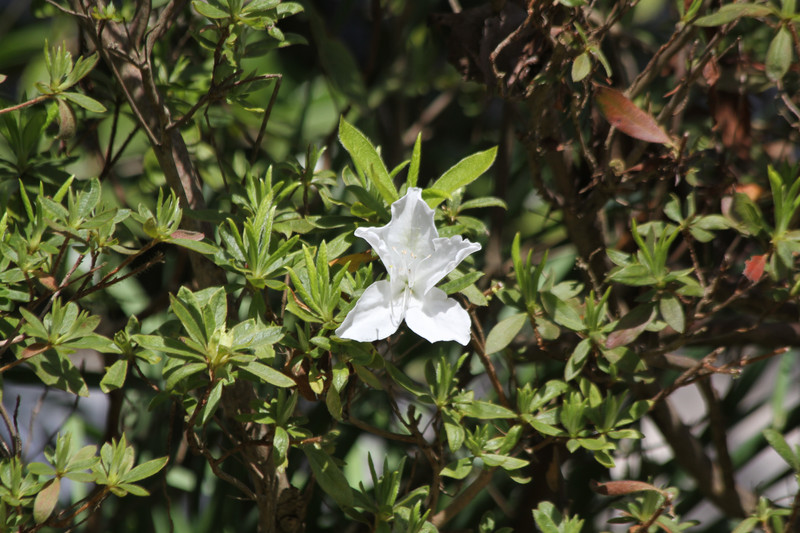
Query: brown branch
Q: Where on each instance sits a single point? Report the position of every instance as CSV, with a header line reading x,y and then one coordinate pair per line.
x,y
489,366
23,105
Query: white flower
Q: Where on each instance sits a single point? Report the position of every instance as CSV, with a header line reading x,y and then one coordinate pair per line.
x,y
416,259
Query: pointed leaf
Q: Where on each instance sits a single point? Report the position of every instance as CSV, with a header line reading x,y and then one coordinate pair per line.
x,y
730,12
779,54
90,104
504,332
463,173
631,326
145,470
329,475
46,500
367,160
629,119
114,377
672,313
268,374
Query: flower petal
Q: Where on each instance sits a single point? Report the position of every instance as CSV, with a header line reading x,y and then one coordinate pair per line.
x,y
436,317
448,253
372,318
408,237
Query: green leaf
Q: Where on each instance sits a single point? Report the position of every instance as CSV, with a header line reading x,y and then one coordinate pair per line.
x,y
90,104
145,470
454,430
211,404
577,360
461,282
329,475
672,312
485,410
334,403
547,518
177,374
56,370
504,332
458,469
367,160
779,54
168,345
463,173
413,168
114,377
503,461
209,11
730,12
777,441
268,374
404,381
581,66
486,201
196,246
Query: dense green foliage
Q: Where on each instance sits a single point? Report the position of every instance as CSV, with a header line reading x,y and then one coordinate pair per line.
x,y
179,186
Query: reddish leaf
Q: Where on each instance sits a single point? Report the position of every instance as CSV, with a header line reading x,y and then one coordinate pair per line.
x,y
188,235
355,260
631,326
731,114
46,500
622,487
629,119
47,280
34,349
754,267
751,190
711,72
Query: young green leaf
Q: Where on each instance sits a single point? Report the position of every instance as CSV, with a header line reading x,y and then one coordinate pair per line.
x,y
367,160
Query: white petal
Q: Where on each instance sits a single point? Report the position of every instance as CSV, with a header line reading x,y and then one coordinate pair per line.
x,y
448,253
408,237
374,317
436,317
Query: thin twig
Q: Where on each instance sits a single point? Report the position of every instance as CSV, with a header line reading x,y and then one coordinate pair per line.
x,y
23,105
267,112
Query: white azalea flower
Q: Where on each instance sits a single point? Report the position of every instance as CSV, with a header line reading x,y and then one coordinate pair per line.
x,y
416,259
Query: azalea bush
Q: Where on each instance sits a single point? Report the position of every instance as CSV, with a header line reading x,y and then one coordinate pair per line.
x,y
399,266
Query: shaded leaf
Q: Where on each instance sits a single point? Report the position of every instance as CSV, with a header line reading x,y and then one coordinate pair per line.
x,y
672,313
779,54
504,332
329,475
631,326
730,12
